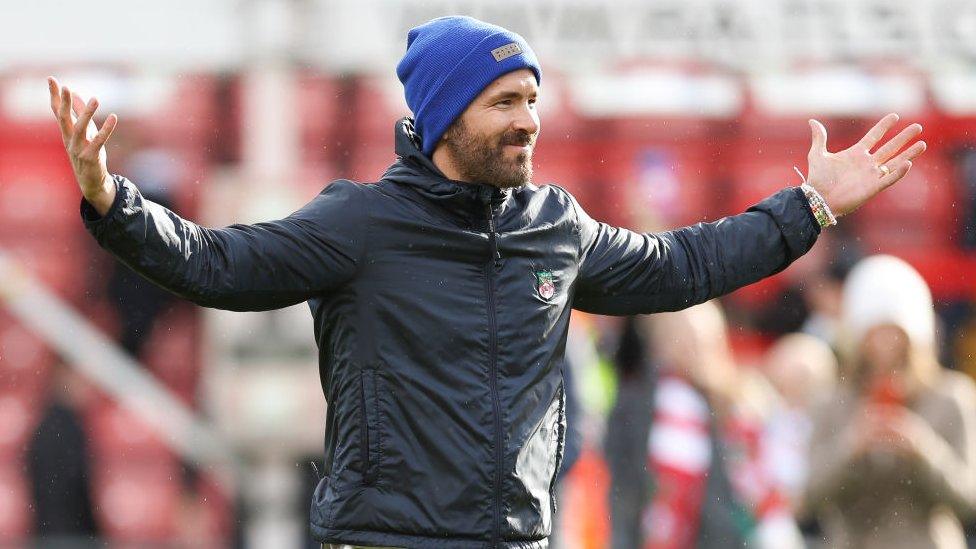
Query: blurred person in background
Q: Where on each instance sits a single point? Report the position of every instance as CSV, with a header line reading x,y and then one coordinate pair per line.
x,y
893,456
822,291
810,301
710,488
59,466
625,444
442,294
803,371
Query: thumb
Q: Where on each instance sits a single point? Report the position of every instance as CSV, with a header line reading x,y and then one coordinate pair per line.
x,y
819,133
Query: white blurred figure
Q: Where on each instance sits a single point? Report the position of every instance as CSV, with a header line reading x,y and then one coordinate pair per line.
x,y
893,451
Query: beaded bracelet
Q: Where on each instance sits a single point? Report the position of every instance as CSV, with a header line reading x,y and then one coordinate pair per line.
x,y
821,211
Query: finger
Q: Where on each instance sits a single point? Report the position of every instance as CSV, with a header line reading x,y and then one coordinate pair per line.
x,y
77,107
56,102
81,126
909,154
819,138
64,113
55,90
888,150
875,134
104,133
77,104
896,174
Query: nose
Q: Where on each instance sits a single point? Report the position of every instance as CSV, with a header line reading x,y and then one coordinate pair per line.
x,y
526,119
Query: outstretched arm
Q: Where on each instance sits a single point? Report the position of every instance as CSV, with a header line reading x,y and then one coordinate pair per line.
x,y
623,272
241,267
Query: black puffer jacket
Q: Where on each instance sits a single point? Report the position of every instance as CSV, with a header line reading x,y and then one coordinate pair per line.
x,y
441,311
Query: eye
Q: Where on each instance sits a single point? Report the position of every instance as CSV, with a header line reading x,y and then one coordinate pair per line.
x,y
532,102
505,103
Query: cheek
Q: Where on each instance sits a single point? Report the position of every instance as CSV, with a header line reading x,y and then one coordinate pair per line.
x,y
492,123
492,136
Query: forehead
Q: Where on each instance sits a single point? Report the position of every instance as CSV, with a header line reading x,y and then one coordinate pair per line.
x,y
521,82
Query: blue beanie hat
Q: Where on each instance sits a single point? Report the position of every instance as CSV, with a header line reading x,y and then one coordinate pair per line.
x,y
449,60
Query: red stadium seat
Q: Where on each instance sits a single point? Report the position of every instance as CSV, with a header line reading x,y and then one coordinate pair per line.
x,y
172,350
36,183
118,435
555,161
311,179
948,271
379,104
56,261
138,502
18,417
15,505
369,164
186,119
758,175
920,212
24,359
319,124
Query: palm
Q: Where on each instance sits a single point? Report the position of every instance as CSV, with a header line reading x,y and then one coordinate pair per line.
x,y
99,168
84,143
848,178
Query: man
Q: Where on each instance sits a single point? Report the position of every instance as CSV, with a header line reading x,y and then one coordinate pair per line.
x,y
441,295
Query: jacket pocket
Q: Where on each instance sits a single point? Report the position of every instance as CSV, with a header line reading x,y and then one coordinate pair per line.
x,y
370,444
559,448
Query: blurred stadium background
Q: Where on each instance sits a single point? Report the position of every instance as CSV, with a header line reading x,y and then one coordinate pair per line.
x,y
655,114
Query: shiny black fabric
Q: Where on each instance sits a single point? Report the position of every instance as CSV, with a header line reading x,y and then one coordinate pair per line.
x,y
439,340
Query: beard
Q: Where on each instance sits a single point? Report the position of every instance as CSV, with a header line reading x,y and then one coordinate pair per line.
x,y
481,159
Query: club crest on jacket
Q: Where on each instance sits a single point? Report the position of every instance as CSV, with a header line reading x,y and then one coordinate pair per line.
x,y
544,284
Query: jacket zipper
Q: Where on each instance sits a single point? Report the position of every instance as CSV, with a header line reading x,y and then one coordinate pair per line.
x,y
493,372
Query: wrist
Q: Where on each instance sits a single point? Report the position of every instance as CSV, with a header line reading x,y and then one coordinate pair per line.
x,y
818,205
103,196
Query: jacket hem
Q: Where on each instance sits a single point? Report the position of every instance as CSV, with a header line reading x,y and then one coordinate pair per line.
x,y
408,541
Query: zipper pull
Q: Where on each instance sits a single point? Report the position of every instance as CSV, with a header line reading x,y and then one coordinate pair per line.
x,y
491,232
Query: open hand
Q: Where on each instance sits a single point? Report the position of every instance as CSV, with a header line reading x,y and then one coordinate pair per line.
x,y
848,178
85,144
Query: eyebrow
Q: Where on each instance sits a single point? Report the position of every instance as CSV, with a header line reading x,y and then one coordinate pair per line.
x,y
508,95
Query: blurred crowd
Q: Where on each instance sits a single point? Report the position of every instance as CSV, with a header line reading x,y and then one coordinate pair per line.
x,y
846,433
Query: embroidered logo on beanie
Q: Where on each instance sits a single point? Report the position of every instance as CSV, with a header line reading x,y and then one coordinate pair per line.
x,y
506,51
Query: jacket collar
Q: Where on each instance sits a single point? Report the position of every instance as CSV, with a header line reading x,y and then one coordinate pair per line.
x,y
413,168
